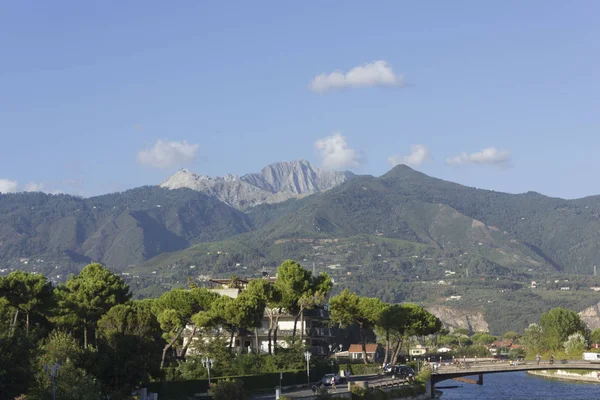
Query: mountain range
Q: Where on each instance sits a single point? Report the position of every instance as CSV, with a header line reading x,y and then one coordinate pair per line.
x,y
294,210
134,226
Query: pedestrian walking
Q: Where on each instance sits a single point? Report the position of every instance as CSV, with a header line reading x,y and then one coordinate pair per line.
x,y
538,358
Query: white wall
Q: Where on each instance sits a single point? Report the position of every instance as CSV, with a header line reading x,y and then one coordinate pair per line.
x,y
289,325
264,345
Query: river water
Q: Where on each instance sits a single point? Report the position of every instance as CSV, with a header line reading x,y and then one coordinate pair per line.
x,y
519,385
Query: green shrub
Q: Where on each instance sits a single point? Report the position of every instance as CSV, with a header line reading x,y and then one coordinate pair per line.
x,y
359,393
472,351
228,389
575,344
424,376
361,369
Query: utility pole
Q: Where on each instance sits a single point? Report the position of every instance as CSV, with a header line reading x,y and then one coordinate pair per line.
x,y
207,363
307,355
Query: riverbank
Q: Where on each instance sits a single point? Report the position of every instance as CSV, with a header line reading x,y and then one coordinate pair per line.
x,y
584,376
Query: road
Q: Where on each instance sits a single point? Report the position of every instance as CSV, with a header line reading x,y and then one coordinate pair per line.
x,y
306,392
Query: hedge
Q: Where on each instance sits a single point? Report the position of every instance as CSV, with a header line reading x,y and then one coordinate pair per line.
x,y
361,369
252,383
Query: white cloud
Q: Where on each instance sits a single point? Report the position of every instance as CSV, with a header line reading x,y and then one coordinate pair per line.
x,y
335,152
166,154
8,186
377,73
418,155
487,156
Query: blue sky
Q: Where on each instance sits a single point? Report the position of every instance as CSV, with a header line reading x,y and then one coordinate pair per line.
x,y
104,96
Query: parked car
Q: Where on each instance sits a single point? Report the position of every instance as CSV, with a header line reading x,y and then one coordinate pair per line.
x,y
326,380
401,372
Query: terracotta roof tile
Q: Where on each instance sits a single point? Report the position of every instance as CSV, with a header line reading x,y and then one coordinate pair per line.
x,y
357,348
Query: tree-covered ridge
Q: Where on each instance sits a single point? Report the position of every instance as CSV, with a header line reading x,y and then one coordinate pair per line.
x,y
119,229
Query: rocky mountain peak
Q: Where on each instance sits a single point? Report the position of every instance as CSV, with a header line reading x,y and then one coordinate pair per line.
x,y
274,183
185,178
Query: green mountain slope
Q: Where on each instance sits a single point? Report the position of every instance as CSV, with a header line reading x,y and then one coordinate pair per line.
x,y
368,205
116,229
565,232
401,204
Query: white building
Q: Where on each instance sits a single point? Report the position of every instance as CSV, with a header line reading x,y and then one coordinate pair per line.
x,y
419,350
313,328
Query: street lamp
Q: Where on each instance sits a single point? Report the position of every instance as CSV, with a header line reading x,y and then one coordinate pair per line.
x,y
52,370
208,363
307,356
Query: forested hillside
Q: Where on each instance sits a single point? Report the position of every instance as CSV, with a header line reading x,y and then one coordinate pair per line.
x,y
116,229
409,205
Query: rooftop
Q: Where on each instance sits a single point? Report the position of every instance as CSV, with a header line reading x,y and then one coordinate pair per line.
x,y
357,348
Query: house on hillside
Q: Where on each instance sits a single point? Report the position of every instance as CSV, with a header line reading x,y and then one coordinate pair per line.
x,y
313,329
374,352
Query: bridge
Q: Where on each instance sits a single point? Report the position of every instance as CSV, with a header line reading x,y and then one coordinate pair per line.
x,y
446,372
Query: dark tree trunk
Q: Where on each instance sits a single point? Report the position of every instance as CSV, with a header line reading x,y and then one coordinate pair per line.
x,y
396,352
256,340
269,339
168,346
301,325
14,322
295,325
84,335
185,347
387,347
275,332
364,345
231,339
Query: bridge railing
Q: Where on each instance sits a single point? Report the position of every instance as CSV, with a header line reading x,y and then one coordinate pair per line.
x,y
505,366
